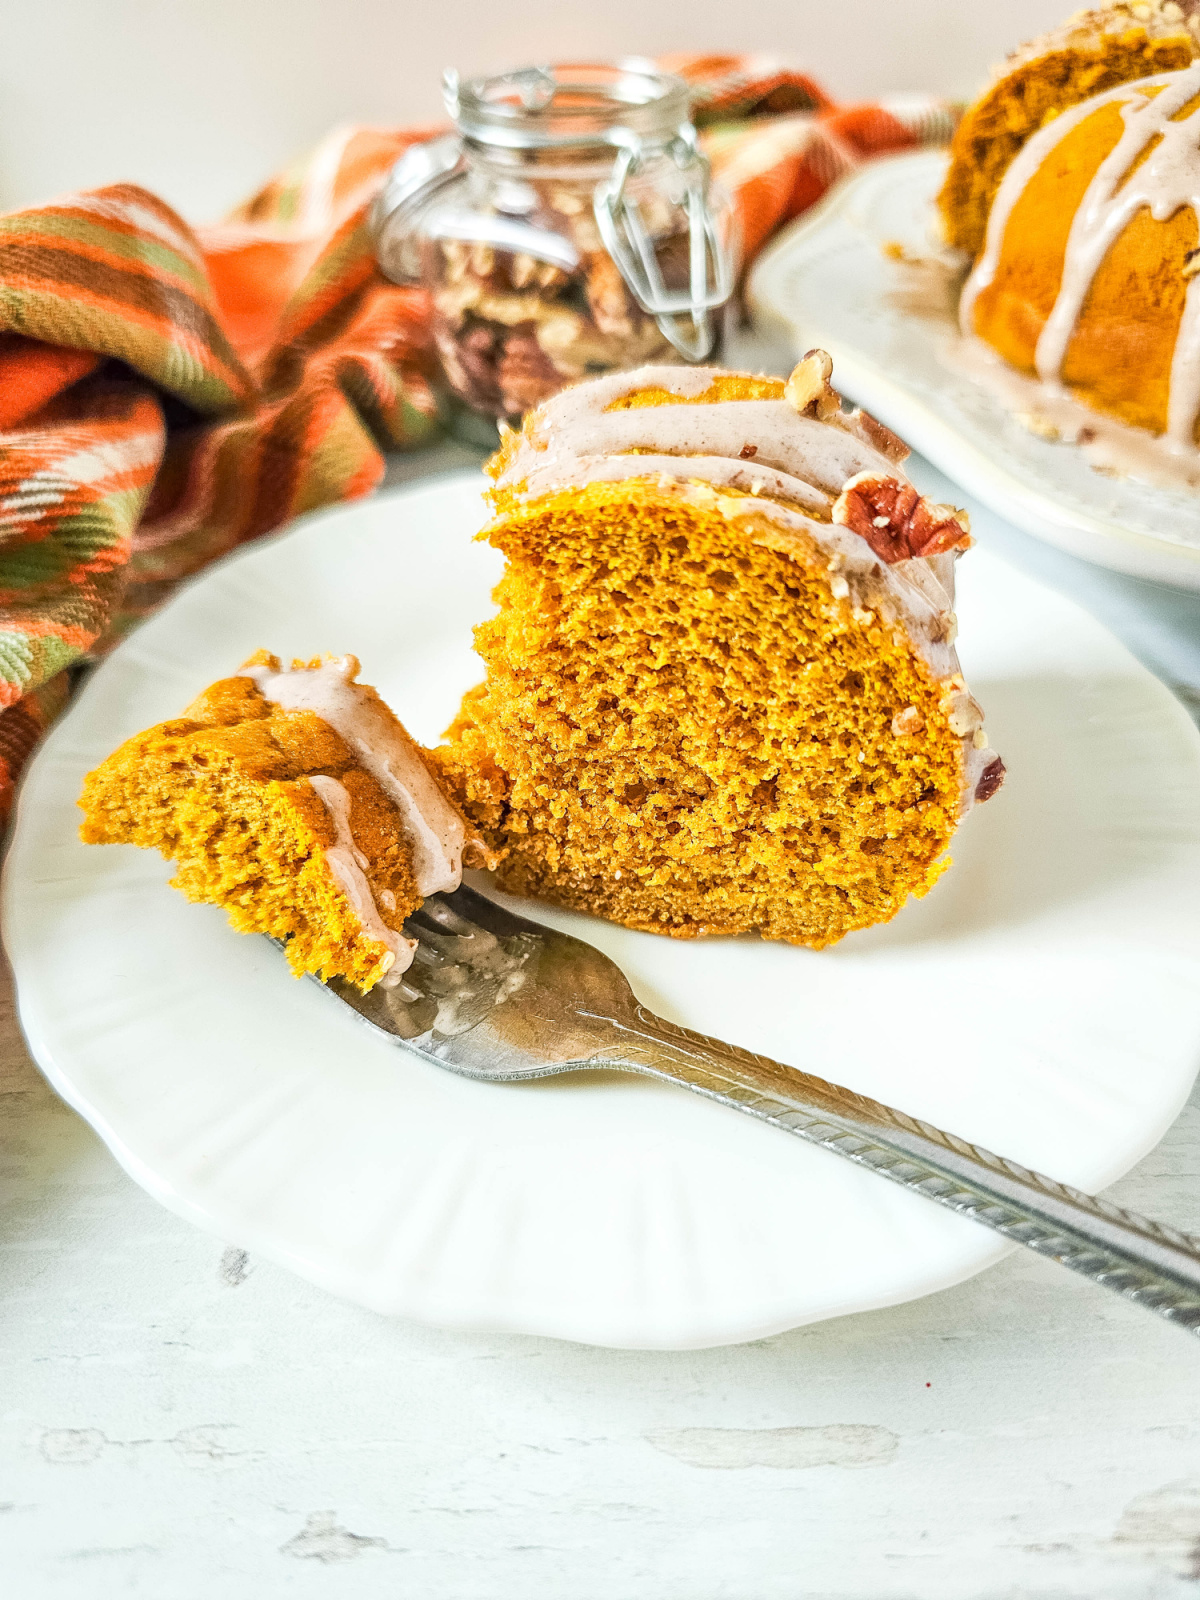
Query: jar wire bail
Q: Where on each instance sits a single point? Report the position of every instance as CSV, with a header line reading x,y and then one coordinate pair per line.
x,y
710,266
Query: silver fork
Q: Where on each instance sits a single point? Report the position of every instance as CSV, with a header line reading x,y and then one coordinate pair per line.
x,y
494,996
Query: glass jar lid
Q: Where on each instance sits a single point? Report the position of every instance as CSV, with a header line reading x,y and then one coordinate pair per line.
x,y
571,106
617,120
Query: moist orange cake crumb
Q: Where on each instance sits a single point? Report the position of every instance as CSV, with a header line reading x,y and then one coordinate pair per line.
x,y
266,811
721,691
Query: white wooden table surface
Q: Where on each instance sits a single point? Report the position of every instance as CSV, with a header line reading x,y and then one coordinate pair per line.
x,y
178,1421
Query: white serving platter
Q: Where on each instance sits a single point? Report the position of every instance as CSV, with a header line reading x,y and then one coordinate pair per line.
x,y
888,321
1042,1000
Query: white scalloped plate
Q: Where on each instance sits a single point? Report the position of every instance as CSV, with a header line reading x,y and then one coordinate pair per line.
x,y
826,281
1041,1000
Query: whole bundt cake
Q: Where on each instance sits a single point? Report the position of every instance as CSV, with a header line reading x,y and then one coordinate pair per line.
x,y
1094,51
1087,280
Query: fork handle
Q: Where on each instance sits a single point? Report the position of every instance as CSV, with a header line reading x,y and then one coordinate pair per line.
x,y
1157,1266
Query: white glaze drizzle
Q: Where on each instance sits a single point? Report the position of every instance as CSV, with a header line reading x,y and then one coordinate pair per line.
x,y
1167,180
436,832
796,457
575,440
349,867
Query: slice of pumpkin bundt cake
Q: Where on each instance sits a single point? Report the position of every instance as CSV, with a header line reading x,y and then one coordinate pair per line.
x,y
722,694
296,800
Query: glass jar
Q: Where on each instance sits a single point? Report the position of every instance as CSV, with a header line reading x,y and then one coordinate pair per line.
x,y
569,227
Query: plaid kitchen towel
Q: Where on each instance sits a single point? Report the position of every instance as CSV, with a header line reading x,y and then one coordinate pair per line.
x,y
167,393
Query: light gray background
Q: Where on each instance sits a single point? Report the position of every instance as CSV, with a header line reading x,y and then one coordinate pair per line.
x,y
200,100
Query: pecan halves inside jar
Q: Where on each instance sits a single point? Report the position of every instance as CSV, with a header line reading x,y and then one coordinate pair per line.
x,y
897,522
526,375
511,329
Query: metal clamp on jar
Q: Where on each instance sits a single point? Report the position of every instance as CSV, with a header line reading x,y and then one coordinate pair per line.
x,y
569,227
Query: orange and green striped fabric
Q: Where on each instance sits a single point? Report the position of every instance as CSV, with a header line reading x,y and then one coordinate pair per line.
x,y
167,393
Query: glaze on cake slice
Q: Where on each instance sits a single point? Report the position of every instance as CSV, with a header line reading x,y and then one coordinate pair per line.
x,y
296,800
722,694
